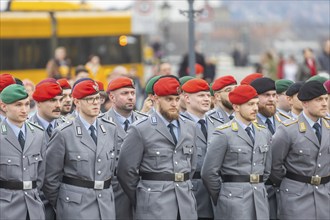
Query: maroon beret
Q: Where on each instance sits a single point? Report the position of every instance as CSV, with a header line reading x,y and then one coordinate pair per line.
x,y
120,82
242,94
196,85
223,82
326,84
6,80
85,88
165,86
46,91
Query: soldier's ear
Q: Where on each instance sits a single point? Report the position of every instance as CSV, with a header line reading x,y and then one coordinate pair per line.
x,y
3,106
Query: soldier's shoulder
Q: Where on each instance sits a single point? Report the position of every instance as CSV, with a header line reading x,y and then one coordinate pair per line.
x,y
224,126
104,119
140,114
258,125
211,112
33,125
141,121
327,121
65,125
284,115
290,122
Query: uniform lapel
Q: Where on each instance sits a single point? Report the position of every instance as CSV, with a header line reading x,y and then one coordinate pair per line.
x,y
29,137
162,129
85,137
199,132
11,138
101,137
120,129
309,132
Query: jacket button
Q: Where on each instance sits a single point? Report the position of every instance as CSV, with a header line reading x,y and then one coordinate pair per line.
x,y
157,153
99,195
286,190
99,172
300,151
99,160
319,165
78,156
239,150
149,189
23,156
67,198
9,161
37,158
229,194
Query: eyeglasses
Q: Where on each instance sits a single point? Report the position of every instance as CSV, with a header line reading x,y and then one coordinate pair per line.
x,y
91,100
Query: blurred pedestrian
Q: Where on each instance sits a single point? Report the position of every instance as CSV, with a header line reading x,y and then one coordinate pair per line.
x,y
308,67
324,58
59,66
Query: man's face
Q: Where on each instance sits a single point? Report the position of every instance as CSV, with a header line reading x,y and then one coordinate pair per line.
x,y
165,69
17,112
89,106
66,102
248,111
198,102
50,109
282,102
168,106
182,104
123,99
294,102
222,96
267,103
317,107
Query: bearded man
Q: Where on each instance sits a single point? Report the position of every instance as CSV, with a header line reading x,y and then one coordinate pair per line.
x,y
158,158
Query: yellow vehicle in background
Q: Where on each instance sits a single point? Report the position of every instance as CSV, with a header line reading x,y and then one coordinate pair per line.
x,y
30,32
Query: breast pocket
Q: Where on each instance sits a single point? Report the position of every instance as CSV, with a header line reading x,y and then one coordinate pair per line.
x,y
10,167
188,151
111,159
239,154
79,163
263,149
159,157
34,161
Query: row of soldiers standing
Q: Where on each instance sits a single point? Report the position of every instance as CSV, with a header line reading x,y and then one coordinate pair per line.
x,y
244,159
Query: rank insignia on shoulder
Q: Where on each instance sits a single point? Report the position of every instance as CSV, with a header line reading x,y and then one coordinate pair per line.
x,y
326,123
302,127
290,122
221,127
327,117
234,126
284,115
257,125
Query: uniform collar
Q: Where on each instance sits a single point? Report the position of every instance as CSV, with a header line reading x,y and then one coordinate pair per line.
x,y
310,121
174,122
121,119
85,123
263,119
16,129
45,123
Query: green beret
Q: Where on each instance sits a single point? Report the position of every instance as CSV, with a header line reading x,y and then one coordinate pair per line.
x,y
185,79
13,93
149,87
319,78
282,85
211,90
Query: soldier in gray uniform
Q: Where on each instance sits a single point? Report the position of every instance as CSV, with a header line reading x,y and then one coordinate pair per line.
x,y
81,161
66,99
158,158
301,153
295,103
282,103
122,95
22,160
198,99
223,109
238,161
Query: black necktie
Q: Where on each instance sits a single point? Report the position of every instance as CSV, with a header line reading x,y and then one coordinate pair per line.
x,y
270,126
21,139
203,127
93,135
170,126
231,117
126,123
49,130
249,132
318,131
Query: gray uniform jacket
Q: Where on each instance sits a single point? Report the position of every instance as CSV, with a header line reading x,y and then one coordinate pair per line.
x,y
218,114
124,209
18,165
149,147
231,152
204,204
72,152
296,149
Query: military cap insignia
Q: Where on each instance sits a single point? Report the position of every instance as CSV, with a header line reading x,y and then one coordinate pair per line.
x,y
102,129
4,129
96,87
234,126
302,127
78,130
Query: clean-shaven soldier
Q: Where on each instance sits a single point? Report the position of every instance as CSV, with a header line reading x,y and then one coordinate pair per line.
x,y
66,100
238,161
282,103
182,105
122,94
198,100
22,159
48,94
223,109
295,103
81,161
158,158
301,164
5,80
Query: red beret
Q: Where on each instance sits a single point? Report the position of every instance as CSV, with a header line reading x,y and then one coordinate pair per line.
x,y
242,94
196,85
85,88
46,91
249,78
120,82
199,69
165,86
100,84
326,85
64,83
6,80
223,82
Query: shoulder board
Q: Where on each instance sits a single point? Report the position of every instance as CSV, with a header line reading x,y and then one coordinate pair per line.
x,y
258,125
29,123
290,122
327,117
234,126
284,115
101,115
221,127
140,120
107,121
209,118
140,113
211,112
65,125
185,117
221,120
326,123
62,118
